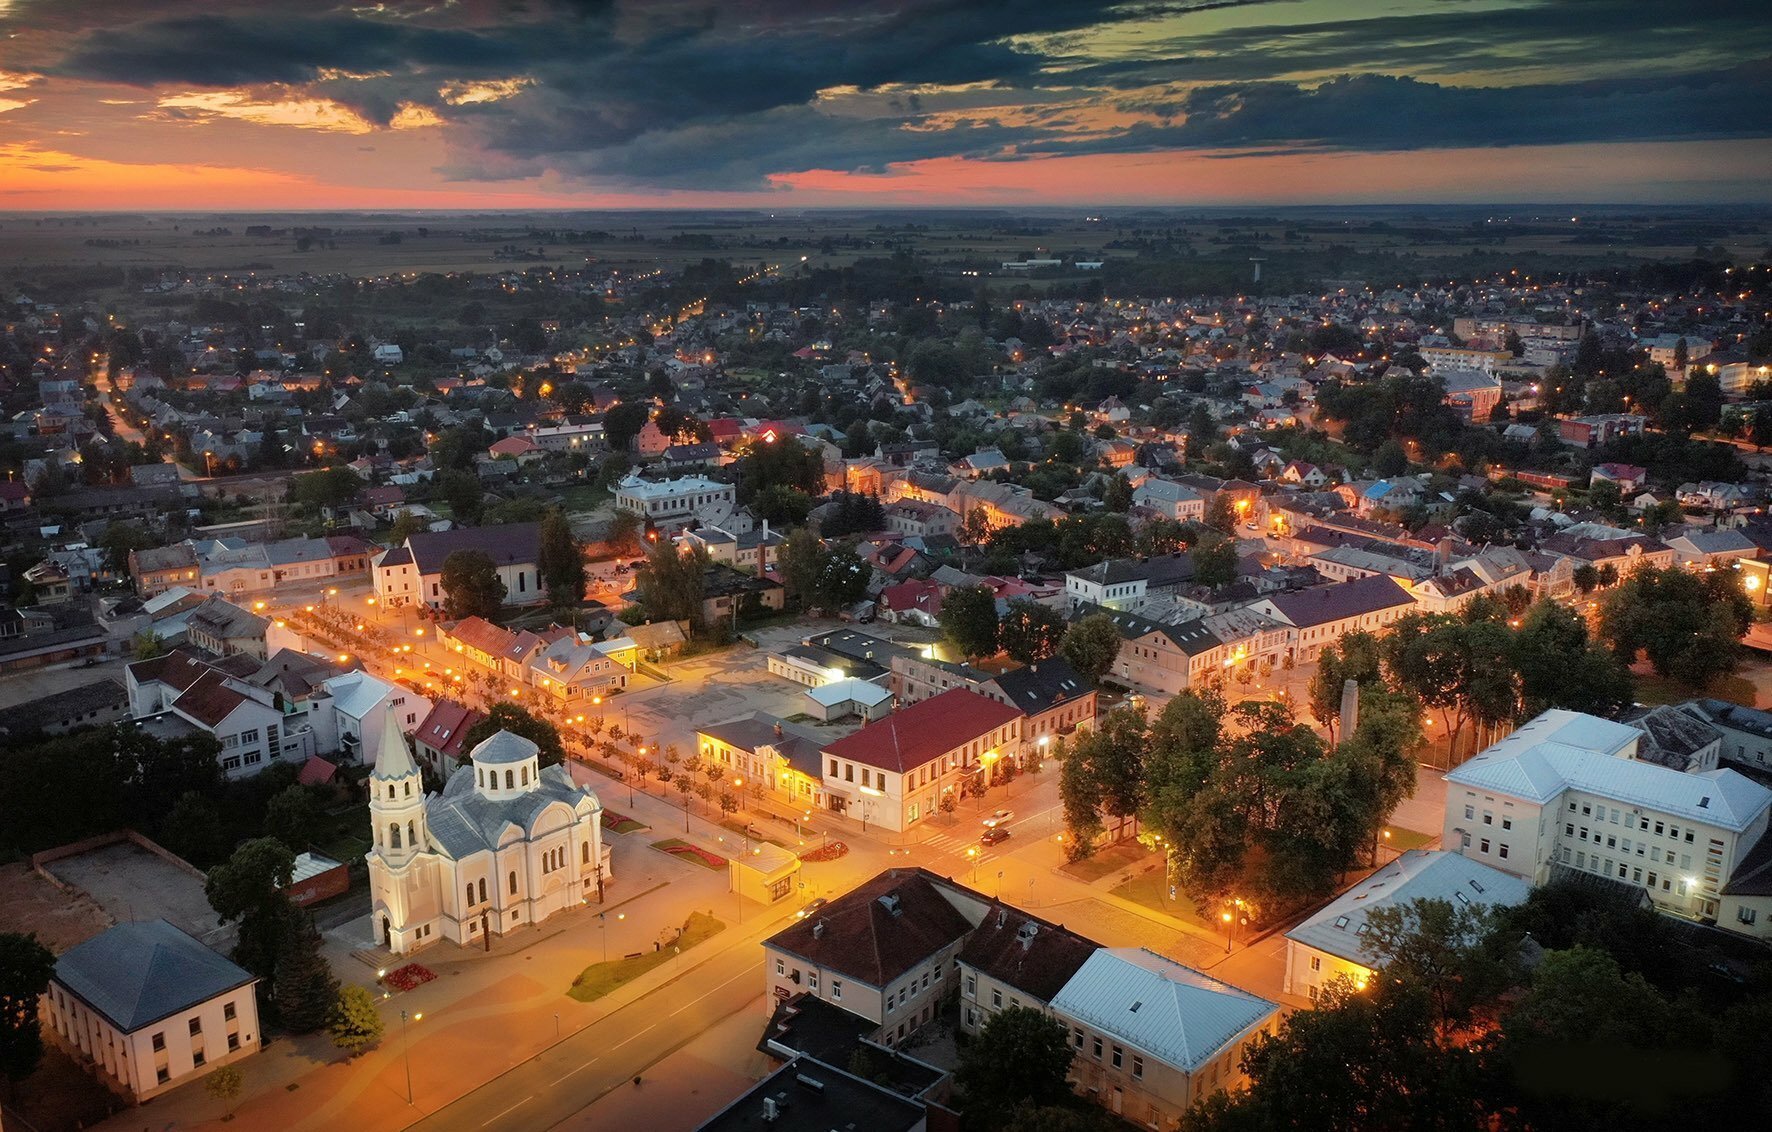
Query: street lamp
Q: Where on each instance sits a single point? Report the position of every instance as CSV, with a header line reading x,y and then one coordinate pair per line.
x,y
405,1041
972,855
209,464
1226,917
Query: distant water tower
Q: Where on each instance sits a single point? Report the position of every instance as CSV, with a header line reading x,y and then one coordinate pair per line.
x,y
1257,261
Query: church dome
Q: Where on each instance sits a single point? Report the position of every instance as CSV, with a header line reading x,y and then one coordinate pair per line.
x,y
505,747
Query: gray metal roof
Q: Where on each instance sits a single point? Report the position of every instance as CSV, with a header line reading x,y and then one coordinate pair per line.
x,y
138,973
462,821
1174,1013
504,747
1340,928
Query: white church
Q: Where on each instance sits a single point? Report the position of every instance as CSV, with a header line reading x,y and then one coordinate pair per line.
x,y
506,843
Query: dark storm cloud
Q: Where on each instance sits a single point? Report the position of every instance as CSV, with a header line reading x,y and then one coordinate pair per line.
x,y
683,93
1378,112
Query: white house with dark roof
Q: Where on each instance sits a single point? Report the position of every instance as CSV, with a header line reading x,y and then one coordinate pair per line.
x,y
1329,945
146,1007
507,843
1149,1037
1568,789
413,572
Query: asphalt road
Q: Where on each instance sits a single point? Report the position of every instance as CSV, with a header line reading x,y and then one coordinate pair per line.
x,y
607,1055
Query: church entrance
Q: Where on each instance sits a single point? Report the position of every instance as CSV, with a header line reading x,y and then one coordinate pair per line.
x,y
387,933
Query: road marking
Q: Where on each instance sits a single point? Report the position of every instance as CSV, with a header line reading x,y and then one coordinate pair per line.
x,y
722,986
570,1072
631,1037
510,1110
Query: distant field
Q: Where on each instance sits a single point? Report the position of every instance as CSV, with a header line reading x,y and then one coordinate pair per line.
x,y
1323,242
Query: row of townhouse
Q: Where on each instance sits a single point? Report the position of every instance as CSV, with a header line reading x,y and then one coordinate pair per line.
x,y
561,664
235,566
1149,1037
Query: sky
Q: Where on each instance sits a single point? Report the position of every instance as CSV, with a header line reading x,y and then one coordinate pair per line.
x,y
782,104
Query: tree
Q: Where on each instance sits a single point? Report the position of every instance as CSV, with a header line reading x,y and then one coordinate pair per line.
x,y
462,491
25,968
624,421
471,585
1362,1061
560,560
331,488
798,563
842,578
851,513
224,1083
1440,947
673,583
1118,496
1112,756
355,1026
974,528
969,619
119,538
625,534
1022,1056
1031,632
507,716
1215,562
1091,644
193,829
1355,657
1560,667
306,989
1220,515
1080,794
1688,625
291,817
408,523
782,505
250,887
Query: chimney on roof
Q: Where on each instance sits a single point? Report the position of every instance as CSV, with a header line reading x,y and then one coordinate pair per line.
x,y
1443,556
818,930
778,729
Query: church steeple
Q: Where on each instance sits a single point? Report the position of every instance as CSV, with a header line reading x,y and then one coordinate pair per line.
x,y
396,798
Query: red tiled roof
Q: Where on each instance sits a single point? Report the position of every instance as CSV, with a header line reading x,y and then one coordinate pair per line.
x,y
479,633
446,726
924,731
316,772
210,699
860,937
177,669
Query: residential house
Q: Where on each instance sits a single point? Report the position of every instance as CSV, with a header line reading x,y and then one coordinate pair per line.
x,y
224,628
1170,500
1128,583
1050,694
1163,658
1600,429
920,519
768,753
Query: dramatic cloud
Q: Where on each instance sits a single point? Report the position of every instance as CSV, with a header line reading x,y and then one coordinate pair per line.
x,y
750,95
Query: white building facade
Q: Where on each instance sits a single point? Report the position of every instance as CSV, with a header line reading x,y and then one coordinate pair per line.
x,y
507,843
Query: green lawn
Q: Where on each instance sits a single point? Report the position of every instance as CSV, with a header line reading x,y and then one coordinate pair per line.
x,y
625,825
583,497
599,979
1402,840
1152,890
1113,859
344,836
1653,689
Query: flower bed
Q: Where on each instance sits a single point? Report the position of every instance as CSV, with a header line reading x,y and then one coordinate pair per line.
x,y
679,848
621,823
409,976
830,851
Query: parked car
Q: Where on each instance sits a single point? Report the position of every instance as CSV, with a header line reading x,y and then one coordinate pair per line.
x,y
999,817
810,908
994,834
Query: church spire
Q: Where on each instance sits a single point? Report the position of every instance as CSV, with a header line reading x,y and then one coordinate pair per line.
x,y
393,760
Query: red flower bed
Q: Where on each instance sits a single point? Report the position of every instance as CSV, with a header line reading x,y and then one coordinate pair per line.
x,y
709,859
828,852
409,976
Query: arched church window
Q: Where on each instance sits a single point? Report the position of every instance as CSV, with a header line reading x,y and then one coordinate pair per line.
x,y
393,835
470,894
408,789
510,781
482,890
526,776
513,882
412,834
586,852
